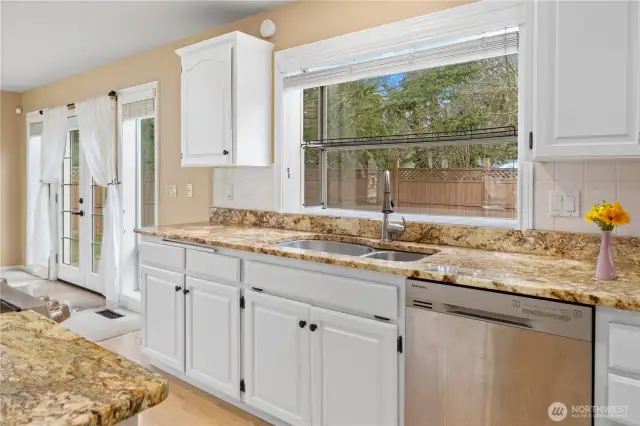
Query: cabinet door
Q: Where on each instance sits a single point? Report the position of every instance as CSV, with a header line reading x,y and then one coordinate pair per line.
x,y
207,107
163,316
586,79
354,370
276,357
213,335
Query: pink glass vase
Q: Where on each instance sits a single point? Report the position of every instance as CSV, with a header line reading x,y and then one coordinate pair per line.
x,y
606,267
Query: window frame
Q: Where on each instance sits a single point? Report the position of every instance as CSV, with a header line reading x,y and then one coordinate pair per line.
x,y
445,25
130,294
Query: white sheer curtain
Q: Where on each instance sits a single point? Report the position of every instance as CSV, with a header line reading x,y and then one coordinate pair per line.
x,y
96,120
54,138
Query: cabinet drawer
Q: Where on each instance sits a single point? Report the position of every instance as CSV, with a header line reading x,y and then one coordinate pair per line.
x,y
624,347
361,296
625,392
161,256
213,266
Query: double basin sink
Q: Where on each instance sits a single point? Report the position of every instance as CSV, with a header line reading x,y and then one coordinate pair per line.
x,y
355,250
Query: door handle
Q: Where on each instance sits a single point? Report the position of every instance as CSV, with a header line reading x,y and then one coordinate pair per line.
x,y
78,213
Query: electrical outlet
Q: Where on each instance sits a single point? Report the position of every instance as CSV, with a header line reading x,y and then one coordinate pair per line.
x,y
228,192
189,190
172,190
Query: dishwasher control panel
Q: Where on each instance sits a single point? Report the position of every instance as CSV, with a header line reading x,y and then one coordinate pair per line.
x,y
563,319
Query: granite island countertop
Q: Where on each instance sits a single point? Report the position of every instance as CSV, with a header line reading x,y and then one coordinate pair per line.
x,y
532,275
51,376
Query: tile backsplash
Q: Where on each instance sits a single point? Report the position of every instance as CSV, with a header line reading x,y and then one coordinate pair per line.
x,y
609,180
596,180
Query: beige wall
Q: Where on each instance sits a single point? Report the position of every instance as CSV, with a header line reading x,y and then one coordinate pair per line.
x,y
297,23
12,181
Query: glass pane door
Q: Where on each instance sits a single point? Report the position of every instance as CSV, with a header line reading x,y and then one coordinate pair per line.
x,y
99,194
81,219
70,202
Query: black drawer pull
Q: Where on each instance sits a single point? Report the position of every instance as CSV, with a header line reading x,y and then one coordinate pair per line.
x,y
178,288
313,327
302,324
185,291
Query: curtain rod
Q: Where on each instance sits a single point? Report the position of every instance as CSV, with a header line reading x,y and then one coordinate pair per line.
x,y
111,94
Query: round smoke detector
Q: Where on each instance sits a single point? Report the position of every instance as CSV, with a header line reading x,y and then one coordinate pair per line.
x,y
267,28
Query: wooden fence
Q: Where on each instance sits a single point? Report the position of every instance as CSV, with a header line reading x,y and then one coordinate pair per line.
x,y
459,192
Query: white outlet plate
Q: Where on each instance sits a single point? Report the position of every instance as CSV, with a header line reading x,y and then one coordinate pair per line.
x,y
189,190
228,192
564,203
172,190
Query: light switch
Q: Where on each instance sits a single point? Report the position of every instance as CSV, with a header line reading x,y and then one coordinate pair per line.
x,y
555,203
564,204
228,192
569,204
189,190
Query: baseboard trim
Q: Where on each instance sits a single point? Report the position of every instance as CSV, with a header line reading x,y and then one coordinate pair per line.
x,y
14,268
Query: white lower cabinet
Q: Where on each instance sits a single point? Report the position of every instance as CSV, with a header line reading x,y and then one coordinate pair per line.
x,y
163,308
213,335
284,360
311,366
354,370
617,367
276,357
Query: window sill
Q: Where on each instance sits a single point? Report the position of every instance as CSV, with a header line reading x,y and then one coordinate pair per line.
x,y
490,222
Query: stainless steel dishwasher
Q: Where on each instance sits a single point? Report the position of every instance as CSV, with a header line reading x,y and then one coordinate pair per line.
x,y
483,358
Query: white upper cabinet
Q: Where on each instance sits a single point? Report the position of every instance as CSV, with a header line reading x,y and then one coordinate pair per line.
x,y
586,79
226,102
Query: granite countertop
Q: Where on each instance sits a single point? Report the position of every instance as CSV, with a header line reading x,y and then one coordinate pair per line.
x,y
548,277
51,376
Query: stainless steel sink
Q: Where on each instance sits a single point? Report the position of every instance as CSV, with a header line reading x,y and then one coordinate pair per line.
x,y
356,250
395,256
334,247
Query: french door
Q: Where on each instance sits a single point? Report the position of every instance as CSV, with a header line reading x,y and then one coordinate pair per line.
x,y
80,219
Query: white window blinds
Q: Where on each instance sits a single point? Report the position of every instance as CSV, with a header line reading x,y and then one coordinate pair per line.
x,y
144,108
35,129
476,47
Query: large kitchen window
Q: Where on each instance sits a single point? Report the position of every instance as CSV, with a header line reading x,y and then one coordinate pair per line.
x,y
447,133
442,116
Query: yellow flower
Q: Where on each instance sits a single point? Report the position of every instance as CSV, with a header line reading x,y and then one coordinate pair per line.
x,y
607,215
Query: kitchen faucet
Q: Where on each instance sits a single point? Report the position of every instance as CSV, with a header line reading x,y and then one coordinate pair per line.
x,y
389,228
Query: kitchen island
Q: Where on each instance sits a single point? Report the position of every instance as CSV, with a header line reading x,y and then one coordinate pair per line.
x,y
52,376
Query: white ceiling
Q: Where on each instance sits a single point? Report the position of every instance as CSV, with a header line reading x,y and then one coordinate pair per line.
x,y
45,41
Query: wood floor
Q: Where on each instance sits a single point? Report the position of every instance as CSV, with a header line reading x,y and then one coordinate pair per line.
x,y
186,405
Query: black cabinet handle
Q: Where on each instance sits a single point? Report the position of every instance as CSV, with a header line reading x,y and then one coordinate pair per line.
x,y
225,152
302,324
78,213
178,288
313,327
185,291
81,200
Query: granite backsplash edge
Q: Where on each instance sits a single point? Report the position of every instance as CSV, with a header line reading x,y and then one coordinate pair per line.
x,y
544,243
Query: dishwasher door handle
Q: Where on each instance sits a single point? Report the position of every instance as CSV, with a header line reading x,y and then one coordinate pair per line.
x,y
478,314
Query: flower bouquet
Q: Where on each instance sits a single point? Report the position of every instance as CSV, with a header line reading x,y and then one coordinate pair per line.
x,y
607,216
